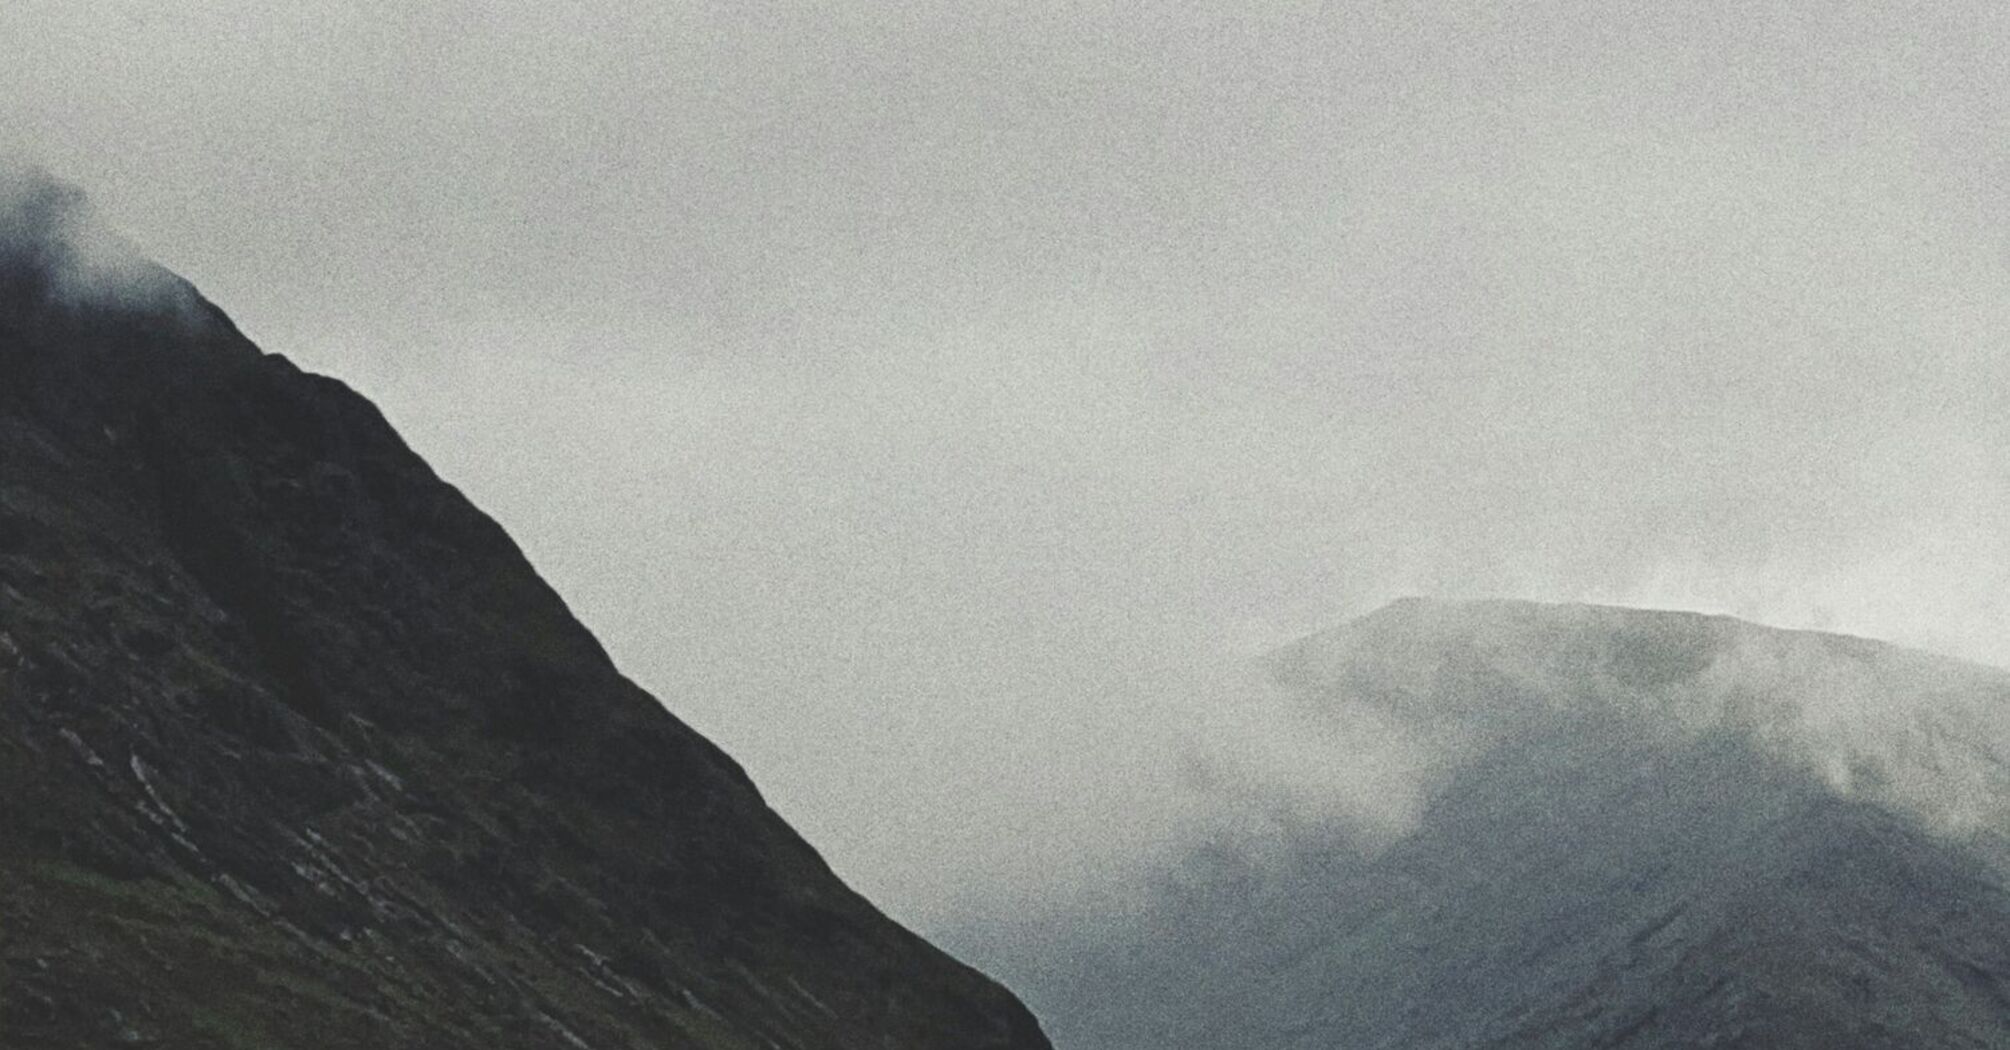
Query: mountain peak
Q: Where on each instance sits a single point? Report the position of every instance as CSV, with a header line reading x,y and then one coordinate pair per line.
x,y
295,739
1617,827
1921,732
38,214
1643,645
62,262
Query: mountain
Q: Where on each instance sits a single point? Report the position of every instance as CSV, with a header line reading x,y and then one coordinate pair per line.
x,y
296,750
1630,829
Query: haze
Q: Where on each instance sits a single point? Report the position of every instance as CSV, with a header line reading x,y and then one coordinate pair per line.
x,y
935,404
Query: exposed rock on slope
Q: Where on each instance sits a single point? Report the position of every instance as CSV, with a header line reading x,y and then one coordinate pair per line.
x,y
1638,829
296,749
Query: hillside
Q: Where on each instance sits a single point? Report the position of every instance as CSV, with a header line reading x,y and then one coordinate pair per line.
x,y
1638,829
296,750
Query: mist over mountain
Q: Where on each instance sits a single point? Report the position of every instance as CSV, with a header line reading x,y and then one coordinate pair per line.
x,y
1605,827
917,393
297,750
936,405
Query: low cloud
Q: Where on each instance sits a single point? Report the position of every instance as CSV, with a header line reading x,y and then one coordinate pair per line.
x,y
55,245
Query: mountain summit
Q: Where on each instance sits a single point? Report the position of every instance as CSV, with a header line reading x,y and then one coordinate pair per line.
x,y
1631,828
297,750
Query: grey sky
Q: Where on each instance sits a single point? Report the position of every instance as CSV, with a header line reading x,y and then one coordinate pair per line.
x,y
931,401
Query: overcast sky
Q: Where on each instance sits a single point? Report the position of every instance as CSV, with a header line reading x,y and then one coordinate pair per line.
x,y
932,402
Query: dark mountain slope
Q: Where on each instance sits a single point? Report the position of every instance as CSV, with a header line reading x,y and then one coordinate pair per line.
x,y
1634,836
296,750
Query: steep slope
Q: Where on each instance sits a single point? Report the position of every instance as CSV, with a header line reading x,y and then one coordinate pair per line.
x,y
1640,830
297,750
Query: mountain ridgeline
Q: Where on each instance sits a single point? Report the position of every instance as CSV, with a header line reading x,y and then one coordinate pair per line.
x,y
1632,829
296,750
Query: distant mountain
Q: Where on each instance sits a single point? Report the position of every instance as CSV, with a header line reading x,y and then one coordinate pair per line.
x,y
1635,829
296,750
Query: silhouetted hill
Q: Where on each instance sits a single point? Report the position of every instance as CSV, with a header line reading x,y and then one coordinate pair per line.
x,y
296,750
